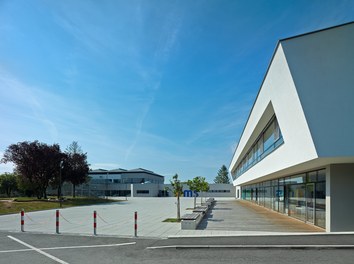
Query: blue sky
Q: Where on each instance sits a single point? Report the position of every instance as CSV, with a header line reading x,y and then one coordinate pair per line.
x,y
162,85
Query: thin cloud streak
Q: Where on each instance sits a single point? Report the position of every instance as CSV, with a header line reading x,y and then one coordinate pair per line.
x,y
139,127
24,97
153,77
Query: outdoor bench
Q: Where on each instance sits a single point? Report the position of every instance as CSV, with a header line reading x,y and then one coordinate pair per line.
x,y
201,209
191,221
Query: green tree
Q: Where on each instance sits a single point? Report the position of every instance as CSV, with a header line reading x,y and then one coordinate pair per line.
x,y
25,187
75,166
177,188
74,148
194,185
204,186
198,184
8,183
223,175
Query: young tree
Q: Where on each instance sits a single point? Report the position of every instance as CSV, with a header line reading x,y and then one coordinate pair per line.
x,y
177,188
194,185
198,184
8,183
75,166
204,186
223,175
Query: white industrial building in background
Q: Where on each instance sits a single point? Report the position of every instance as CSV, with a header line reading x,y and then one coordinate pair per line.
x,y
296,152
138,183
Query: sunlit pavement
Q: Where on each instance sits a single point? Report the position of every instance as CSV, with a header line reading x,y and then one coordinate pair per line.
x,y
229,217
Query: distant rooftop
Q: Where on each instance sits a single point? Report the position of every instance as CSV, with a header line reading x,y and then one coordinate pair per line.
x,y
141,169
120,170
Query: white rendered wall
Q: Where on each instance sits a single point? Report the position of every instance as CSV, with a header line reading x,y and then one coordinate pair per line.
x,y
215,187
152,188
278,94
322,66
238,192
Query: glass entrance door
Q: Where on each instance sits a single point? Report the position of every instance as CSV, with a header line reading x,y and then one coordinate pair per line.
x,y
310,203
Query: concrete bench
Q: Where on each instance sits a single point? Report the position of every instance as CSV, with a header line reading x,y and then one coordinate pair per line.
x,y
201,209
210,200
191,221
208,204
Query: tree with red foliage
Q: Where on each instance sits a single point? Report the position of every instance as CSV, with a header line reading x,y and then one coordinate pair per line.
x,y
36,164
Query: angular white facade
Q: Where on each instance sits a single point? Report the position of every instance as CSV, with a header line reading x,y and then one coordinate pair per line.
x,y
309,91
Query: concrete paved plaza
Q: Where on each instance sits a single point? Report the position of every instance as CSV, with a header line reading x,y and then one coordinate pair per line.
x,y
228,218
113,219
238,215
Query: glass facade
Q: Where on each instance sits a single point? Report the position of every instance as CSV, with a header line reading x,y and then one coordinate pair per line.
x,y
301,196
266,142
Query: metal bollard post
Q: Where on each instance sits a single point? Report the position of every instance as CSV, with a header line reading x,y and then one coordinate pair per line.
x,y
136,224
94,222
57,221
22,220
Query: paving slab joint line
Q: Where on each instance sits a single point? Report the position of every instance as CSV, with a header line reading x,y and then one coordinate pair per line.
x,y
255,247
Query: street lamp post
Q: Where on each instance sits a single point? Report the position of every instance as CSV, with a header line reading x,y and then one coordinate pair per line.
x,y
106,187
60,193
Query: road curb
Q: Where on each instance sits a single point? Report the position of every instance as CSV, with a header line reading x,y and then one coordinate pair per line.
x,y
254,247
255,234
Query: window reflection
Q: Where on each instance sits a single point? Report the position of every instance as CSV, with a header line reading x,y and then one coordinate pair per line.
x,y
302,196
267,142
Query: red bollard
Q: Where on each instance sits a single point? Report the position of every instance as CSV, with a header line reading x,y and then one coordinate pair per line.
x,y
136,224
23,220
57,221
94,222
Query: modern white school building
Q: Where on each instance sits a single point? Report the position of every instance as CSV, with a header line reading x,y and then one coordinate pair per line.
x,y
296,152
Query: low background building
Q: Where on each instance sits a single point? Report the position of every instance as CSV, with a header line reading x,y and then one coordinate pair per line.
x,y
137,183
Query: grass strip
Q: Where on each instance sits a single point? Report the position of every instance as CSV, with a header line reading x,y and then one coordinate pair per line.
x,y
172,220
11,206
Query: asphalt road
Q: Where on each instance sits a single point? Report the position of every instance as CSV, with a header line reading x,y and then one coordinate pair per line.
x,y
42,248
